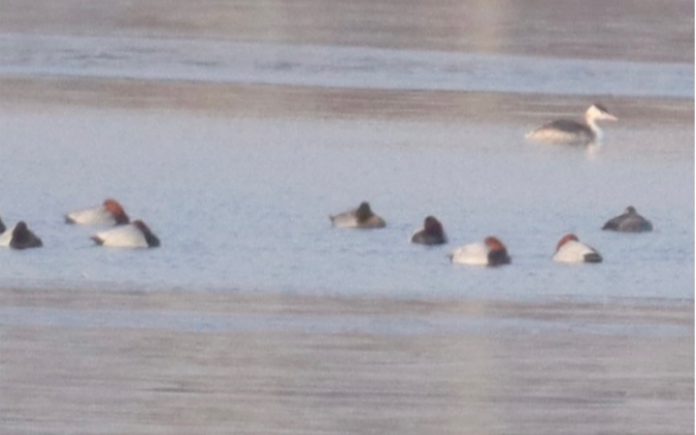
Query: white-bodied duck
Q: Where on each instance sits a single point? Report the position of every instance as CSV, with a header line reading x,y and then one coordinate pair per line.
x,y
492,252
133,235
109,213
571,250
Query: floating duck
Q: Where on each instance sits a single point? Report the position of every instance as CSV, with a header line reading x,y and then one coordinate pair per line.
x,y
629,222
571,250
133,235
109,213
19,238
362,217
430,234
491,252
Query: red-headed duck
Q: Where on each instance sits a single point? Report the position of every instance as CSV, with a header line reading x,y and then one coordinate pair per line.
x,y
629,222
134,235
572,250
491,252
430,234
20,237
109,213
565,131
362,217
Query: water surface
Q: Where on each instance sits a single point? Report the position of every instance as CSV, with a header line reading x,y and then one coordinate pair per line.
x,y
244,204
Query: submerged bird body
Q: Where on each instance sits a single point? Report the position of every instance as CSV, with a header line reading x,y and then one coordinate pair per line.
x,y
362,217
134,235
109,213
431,233
629,222
565,131
491,252
572,250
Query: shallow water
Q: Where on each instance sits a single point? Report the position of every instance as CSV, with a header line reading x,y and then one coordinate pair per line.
x,y
244,204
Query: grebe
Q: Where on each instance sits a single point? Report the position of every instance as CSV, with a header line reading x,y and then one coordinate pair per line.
x,y
629,222
134,235
362,217
491,252
565,131
431,233
109,213
572,250
19,238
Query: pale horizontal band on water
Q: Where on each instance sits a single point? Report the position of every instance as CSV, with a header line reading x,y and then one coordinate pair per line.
x,y
218,61
225,311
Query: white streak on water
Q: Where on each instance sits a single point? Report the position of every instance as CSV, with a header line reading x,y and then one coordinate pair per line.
x,y
335,66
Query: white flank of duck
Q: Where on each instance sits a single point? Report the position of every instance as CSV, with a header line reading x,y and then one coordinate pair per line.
x,y
134,235
5,238
5,235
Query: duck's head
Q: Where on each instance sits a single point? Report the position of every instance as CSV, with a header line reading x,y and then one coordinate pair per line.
x,y
363,212
116,210
565,239
494,244
432,225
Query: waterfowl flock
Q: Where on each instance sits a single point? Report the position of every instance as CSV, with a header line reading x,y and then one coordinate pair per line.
x,y
125,233
492,252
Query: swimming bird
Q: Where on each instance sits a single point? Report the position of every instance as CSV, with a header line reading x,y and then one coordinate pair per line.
x,y
491,252
565,131
362,217
430,234
109,213
572,250
19,238
133,235
629,222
